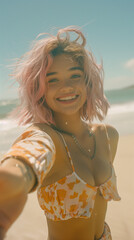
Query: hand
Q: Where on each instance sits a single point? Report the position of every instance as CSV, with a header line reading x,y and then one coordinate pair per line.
x,y
13,197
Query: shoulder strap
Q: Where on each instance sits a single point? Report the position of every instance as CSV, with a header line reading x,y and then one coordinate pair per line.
x,y
67,150
108,139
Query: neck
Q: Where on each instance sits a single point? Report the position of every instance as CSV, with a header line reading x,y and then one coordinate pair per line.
x,y
71,124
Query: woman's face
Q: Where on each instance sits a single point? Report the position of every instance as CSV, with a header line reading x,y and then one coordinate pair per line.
x,y
65,85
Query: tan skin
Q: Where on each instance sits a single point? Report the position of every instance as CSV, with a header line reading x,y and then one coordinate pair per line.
x,y
62,80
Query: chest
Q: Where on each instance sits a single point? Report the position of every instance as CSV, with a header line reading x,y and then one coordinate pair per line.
x,y
93,171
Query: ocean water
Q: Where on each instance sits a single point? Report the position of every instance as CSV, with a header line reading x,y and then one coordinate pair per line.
x,y
120,115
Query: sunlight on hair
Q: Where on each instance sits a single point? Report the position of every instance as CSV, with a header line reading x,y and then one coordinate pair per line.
x,y
31,69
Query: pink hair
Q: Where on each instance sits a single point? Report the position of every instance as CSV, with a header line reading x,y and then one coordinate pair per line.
x,y
31,69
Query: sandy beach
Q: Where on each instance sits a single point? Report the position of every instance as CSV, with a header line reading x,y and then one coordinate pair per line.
x,y
120,215
56,56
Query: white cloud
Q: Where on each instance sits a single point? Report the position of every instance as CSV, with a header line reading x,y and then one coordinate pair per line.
x,y
130,64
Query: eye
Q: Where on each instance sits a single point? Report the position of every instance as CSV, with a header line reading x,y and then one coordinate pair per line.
x,y
52,80
76,76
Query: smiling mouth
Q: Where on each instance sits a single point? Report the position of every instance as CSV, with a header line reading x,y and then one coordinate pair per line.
x,y
67,99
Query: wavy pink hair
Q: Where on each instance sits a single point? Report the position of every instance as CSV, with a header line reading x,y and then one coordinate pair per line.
x,y
31,69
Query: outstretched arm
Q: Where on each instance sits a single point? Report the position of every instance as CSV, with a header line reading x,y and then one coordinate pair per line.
x,y
16,180
23,168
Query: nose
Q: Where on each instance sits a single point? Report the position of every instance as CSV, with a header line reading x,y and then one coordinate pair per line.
x,y
66,86
67,89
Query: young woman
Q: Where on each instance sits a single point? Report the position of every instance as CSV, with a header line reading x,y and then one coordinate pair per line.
x,y
62,154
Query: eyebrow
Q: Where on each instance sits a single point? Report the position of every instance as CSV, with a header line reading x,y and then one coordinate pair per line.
x,y
76,68
51,73
70,69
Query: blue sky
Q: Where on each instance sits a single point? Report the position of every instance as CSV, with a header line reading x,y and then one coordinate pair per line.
x,y
107,24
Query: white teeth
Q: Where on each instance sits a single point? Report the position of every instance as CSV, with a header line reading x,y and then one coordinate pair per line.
x,y
67,98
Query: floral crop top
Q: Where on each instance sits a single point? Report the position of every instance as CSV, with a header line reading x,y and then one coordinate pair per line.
x,y
69,197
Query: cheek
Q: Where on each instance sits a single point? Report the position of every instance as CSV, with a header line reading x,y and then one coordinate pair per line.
x,y
84,90
84,97
49,91
52,89
50,97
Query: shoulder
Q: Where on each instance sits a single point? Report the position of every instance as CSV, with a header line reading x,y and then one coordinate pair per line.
x,y
45,128
113,140
110,134
36,131
108,130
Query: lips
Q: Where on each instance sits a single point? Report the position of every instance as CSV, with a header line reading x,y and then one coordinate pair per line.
x,y
67,97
